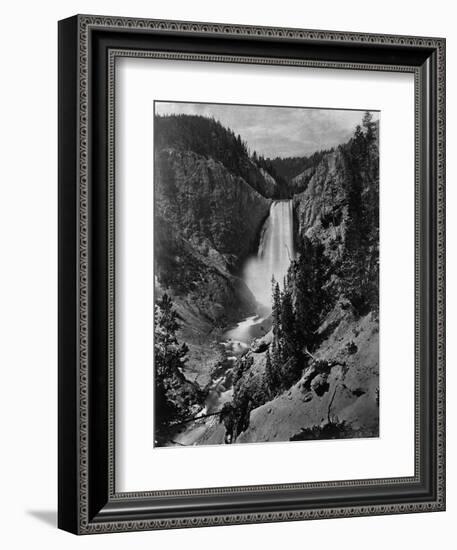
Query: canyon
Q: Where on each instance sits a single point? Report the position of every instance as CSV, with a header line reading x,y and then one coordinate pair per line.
x,y
225,226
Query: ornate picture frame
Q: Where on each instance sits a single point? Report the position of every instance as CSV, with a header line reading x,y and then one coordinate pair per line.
x,y
88,48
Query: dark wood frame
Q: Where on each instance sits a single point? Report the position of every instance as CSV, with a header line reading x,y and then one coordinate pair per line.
x,y
88,46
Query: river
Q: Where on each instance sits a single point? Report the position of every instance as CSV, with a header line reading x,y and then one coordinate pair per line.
x,y
275,252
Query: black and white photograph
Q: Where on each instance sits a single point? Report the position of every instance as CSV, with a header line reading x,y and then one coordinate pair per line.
x,y
225,305
266,273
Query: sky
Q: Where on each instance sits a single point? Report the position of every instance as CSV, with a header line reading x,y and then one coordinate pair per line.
x,y
277,131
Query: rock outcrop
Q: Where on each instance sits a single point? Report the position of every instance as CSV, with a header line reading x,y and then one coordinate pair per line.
x,y
215,210
321,210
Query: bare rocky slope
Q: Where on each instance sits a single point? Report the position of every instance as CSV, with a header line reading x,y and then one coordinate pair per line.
x,y
338,391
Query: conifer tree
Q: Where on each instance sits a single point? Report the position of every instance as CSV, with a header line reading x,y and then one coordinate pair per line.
x,y
276,309
288,325
276,360
174,395
369,125
360,266
271,376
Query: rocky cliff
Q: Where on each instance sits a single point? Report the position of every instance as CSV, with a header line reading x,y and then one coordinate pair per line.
x,y
215,210
321,210
208,221
208,214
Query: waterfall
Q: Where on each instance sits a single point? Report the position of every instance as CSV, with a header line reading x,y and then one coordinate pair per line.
x,y
276,251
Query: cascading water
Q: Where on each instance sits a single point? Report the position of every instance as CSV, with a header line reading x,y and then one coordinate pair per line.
x,y
276,251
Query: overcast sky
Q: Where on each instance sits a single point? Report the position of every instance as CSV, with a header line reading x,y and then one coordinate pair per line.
x,y
277,131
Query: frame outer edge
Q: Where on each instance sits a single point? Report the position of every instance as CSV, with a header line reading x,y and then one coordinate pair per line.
x,y
84,23
441,274
83,270
68,452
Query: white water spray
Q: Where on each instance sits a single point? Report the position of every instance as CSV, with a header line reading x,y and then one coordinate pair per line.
x,y
276,251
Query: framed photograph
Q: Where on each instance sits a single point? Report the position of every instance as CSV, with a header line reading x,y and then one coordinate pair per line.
x,y
251,274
